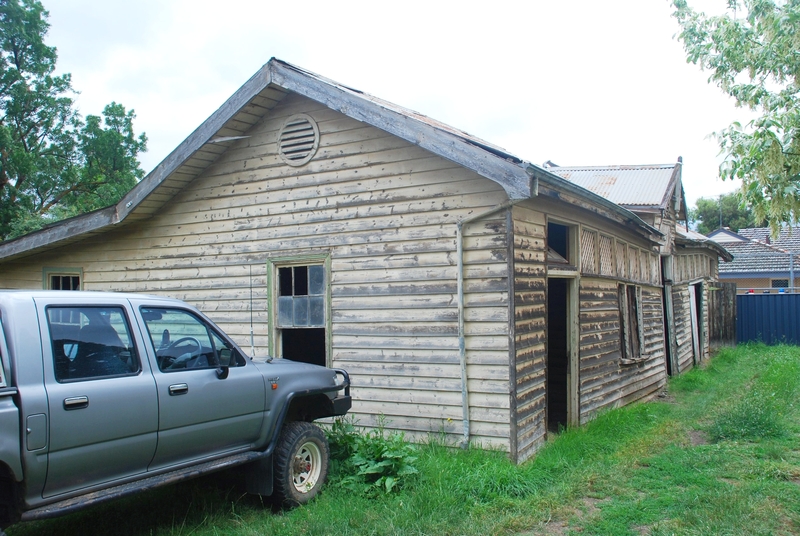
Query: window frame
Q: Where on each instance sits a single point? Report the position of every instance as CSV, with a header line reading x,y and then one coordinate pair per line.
x,y
131,347
237,358
273,293
631,344
49,273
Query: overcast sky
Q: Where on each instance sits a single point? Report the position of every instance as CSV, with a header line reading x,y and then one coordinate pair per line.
x,y
578,82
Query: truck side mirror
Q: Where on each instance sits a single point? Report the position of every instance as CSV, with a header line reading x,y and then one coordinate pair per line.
x,y
222,372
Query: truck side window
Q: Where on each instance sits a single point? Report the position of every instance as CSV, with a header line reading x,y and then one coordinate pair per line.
x,y
90,343
183,341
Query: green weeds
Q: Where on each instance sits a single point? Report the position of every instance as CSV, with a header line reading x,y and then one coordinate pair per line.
x,y
370,462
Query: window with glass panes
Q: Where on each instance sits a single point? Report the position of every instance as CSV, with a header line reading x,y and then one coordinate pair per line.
x,y
301,296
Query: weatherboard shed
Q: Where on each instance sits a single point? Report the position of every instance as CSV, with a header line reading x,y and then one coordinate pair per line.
x,y
689,261
467,292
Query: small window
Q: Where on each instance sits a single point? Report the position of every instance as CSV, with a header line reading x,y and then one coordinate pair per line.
x,y
183,341
630,297
91,342
563,246
64,282
301,296
780,283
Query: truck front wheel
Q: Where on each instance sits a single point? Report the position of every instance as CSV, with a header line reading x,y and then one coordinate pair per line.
x,y
301,463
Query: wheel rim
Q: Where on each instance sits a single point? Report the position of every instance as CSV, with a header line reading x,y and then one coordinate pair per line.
x,y
306,467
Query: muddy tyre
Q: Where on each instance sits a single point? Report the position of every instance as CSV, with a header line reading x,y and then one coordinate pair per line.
x,y
300,463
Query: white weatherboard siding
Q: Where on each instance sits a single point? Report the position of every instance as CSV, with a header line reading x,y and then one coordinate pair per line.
x,y
384,213
530,318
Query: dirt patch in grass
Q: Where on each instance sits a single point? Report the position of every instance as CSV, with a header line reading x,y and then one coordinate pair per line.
x,y
697,437
590,505
665,396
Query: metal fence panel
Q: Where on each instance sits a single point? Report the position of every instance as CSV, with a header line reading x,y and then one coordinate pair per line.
x,y
769,318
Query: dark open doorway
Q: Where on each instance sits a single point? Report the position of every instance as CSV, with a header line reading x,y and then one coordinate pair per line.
x,y
557,353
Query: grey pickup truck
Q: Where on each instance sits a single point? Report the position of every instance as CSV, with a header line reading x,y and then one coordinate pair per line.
x,y
103,395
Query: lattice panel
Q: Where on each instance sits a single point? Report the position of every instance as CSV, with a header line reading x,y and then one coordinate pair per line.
x,y
606,259
633,263
588,257
622,261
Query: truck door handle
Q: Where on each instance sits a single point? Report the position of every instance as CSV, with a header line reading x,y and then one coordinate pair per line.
x,y
76,402
178,389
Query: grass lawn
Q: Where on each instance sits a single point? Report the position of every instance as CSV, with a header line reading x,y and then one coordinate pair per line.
x,y
719,454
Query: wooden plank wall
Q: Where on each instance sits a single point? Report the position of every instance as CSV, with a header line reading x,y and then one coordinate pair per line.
x,y
683,326
722,315
692,267
604,381
384,211
529,323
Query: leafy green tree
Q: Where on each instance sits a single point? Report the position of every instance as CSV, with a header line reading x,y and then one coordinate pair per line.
x,y
724,211
751,51
52,164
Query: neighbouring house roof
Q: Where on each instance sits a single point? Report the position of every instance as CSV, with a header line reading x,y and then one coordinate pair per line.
x,y
725,236
689,238
256,98
753,258
789,237
643,188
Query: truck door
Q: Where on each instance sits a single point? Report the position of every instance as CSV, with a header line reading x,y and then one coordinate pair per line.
x,y
203,411
101,396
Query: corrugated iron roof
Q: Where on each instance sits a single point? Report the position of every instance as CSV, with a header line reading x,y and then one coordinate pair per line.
x,y
629,186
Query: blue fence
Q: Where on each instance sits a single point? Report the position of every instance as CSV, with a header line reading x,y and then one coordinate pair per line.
x,y
769,318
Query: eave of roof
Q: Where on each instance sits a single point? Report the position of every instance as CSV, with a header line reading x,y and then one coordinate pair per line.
x,y
264,89
692,239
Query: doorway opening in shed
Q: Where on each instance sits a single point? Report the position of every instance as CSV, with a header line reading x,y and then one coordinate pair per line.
x,y
558,353
696,312
301,322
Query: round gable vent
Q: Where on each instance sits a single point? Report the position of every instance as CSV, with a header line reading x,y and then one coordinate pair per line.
x,y
298,140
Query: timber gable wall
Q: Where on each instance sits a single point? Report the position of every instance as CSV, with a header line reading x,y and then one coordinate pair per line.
x,y
383,214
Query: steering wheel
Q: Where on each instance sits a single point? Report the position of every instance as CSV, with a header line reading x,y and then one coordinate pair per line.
x,y
181,360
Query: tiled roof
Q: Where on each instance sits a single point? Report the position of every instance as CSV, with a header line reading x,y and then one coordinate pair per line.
x,y
788,239
757,257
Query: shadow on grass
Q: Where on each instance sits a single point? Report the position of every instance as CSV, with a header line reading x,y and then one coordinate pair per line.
x,y
179,509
